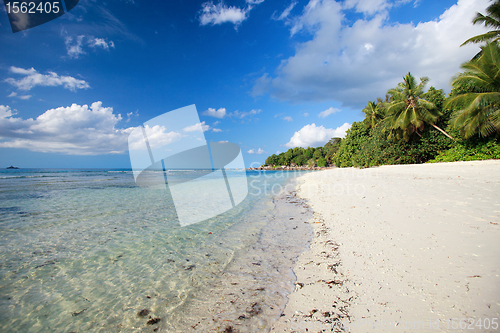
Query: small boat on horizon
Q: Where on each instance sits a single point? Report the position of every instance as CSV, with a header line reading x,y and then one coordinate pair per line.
x,y
12,167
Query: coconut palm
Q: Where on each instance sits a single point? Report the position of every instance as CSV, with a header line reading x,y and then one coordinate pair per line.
x,y
373,114
491,20
408,110
480,106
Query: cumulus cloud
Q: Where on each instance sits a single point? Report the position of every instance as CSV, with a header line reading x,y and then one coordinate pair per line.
x,y
368,7
314,136
74,46
243,114
220,113
130,114
100,42
288,118
5,112
32,79
355,63
258,151
157,137
221,13
74,49
197,127
216,130
328,112
74,130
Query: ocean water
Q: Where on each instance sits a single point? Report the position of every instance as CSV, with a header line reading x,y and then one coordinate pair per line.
x,y
86,250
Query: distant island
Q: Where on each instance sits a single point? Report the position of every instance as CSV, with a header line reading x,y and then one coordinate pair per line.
x,y
12,167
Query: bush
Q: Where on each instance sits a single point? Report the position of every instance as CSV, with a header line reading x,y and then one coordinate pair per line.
x,y
470,151
366,148
351,146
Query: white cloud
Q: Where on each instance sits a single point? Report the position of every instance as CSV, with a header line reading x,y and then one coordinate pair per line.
x,y
328,112
5,112
253,151
74,130
130,114
157,137
220,13
197,127
288,118
75,49
216,123
220,113
243,114
100,42
24,97
216,130
356,63
287,11
33,78
314,136
305,114
368,7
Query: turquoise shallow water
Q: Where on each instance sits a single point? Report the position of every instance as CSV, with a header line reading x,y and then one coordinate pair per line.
x,y
83,250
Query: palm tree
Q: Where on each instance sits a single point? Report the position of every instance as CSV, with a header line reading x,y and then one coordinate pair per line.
x,y
480,105
408,110
491,20
373,114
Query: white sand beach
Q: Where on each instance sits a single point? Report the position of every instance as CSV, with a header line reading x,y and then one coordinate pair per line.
x,y
410,248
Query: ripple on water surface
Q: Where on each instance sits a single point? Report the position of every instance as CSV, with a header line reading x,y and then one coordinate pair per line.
x,y
80,257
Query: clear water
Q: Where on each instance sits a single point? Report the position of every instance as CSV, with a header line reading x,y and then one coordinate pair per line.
x,y
85,250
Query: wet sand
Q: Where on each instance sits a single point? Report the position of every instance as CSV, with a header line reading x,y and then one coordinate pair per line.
x,y
251,293
413,248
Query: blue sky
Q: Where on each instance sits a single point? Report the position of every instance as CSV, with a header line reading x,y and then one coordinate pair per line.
x,y
264,74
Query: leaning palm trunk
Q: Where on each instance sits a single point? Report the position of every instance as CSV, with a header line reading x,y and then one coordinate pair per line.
x,y
409,110
442,131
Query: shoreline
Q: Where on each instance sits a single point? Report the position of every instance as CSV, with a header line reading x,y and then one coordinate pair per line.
x,y
251,293
290,168
399,248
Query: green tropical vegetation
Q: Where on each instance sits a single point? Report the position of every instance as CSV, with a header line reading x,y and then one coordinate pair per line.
x,y
412,125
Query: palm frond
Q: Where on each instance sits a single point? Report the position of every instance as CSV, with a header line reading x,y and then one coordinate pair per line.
x,y
487,20
488,36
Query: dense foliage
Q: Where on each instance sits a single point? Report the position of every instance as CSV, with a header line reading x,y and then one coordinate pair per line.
x,y
415,126
311,157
